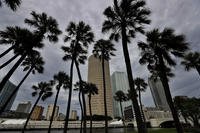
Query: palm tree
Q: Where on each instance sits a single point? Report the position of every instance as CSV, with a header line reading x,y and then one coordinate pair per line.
x,y
62,80
192,61
157,54
124,19
80,36
77,88
45,26
27,47
44,91
141,86
90,89
103,49
121,97
32,65
12,4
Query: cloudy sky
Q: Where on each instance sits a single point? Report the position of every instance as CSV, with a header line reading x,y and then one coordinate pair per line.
x,y
182,15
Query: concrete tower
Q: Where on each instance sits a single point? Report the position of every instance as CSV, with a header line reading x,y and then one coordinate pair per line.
x,y
49,112
158,94
119,82
95,76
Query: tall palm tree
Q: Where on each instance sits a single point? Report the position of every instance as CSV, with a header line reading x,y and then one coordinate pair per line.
x,y
192,61
80,36
44,91
90,89
62,81
141,86
32,65
156,52
77,88
46,27
120,96
123,20
103,49
12,4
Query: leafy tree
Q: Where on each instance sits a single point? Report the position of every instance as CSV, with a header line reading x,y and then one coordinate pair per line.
x,y
141,86
28,40
80,36
62,81
157,54
189,108
120,96
103,49
124,19
90,89
12,4
44,91
192,61
32,65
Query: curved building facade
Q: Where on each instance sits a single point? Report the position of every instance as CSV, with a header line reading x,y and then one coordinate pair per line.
x,y
95,76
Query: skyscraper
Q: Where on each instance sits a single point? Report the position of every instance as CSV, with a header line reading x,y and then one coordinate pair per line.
x,y
49,112
95,76
37,113
5,94
119,81
24,107
158,94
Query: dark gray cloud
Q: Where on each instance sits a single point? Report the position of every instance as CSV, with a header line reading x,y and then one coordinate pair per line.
x,y
183,16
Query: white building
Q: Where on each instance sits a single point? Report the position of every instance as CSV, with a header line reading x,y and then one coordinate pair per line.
x,y
119,81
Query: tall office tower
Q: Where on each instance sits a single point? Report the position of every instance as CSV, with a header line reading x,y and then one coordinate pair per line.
x,y
5,94
119,81
158,94
95,76
73,115
37,113
24,107
49,112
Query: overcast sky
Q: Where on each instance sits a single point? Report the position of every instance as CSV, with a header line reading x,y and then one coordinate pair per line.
x,y
182,15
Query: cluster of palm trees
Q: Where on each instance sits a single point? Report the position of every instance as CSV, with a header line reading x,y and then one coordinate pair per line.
x,y
123,20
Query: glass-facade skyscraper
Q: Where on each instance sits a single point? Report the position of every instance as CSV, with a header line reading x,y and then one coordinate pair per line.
x,y
5,94
119,81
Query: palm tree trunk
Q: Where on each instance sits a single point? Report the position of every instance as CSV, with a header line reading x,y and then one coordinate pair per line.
x,y
90,108
104,93
29,116
142,112
69,98
12,70
164,80
9,61
138,115
198,69
54,109
6,52
83,98
15,91
79,98
122,113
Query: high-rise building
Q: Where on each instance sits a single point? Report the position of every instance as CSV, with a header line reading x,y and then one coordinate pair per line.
x,y
158,94
49,112
73,115
37,113
5,94
119,81
24,107
95,76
